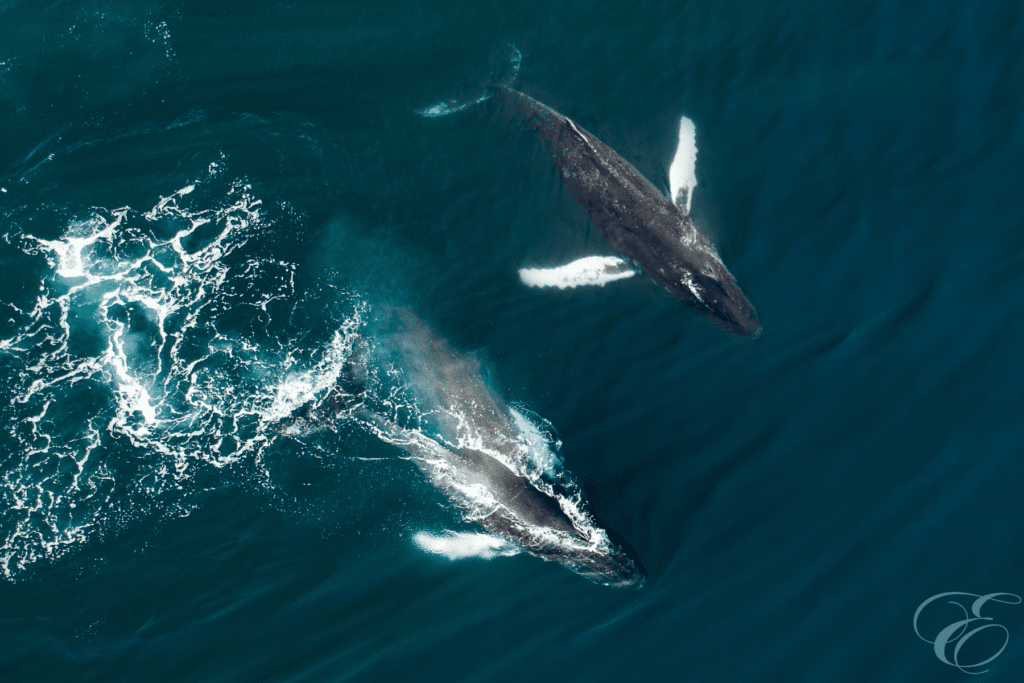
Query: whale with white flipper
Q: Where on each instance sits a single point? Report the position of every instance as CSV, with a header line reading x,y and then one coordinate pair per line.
x,y
487,457
655,233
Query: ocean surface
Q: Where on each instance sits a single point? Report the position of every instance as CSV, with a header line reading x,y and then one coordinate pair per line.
x,y
205,205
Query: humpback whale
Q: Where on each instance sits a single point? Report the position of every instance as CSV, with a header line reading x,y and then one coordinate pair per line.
x,y
487,457
655,233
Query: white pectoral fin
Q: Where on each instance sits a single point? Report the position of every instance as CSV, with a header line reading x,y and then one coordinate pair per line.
x,y
681,174
591,270
461,545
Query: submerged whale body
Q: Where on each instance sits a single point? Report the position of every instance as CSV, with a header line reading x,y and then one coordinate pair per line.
x,y
487,457
655,232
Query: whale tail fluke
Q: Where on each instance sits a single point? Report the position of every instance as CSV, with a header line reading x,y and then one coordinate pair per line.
x,y
345,397
505,73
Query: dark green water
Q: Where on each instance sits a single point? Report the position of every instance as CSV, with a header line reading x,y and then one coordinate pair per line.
x,y
794,498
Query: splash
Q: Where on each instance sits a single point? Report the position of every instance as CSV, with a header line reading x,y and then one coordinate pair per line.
x,y
153,351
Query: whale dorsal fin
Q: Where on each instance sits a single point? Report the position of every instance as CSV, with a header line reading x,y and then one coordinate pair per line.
x,y
590,270
681,176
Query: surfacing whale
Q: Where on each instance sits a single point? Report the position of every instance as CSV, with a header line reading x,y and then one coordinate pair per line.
x,y
487,457
654,232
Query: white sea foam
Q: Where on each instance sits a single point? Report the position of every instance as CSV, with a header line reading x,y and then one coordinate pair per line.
x,y
539,452
682,177
300,387
146,356
590,270
462,545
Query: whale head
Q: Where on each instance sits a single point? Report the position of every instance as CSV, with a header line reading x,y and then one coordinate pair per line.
x,y
713,291
589,549
696,275
611,566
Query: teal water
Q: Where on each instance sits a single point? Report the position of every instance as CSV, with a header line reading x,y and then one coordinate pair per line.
x,y
794,499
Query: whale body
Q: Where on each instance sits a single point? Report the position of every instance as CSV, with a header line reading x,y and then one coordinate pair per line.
x,y
654,232
487,457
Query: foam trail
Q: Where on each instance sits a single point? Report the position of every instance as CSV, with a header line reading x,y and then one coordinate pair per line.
x,y
460,545
682,176
590,270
